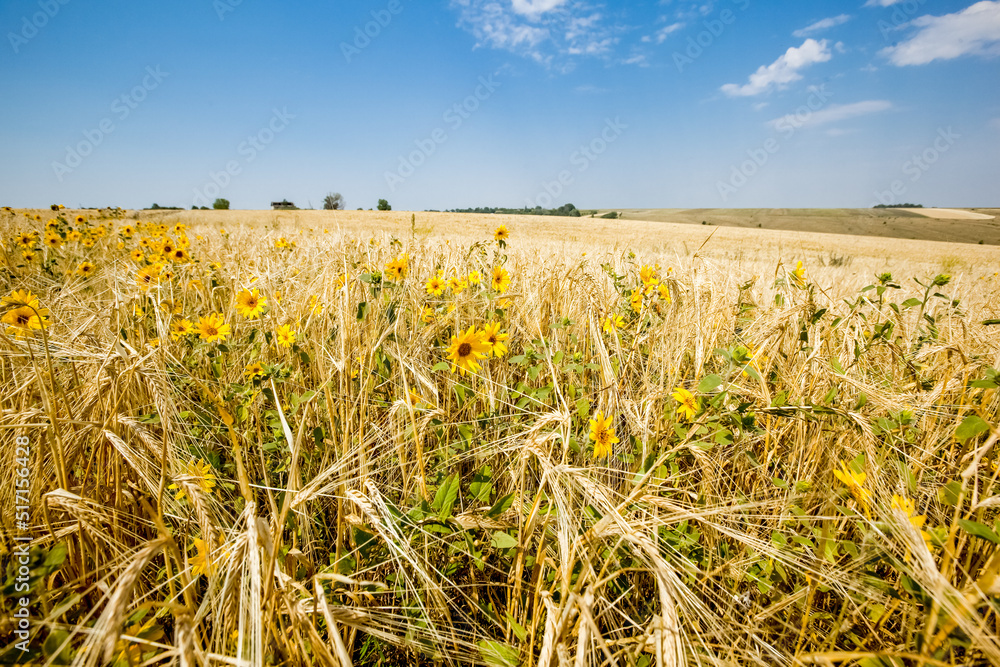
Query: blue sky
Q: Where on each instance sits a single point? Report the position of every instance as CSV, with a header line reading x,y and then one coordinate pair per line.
x,y
454,103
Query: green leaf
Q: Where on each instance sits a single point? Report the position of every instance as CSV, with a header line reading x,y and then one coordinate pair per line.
x,y
502,540
362,310
709,384
482,485
912,303
971,427
583,408
518,629
501,506
979,530
448,494
443,366
497,654
950,493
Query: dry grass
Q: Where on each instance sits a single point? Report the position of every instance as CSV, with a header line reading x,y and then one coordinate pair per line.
x,y
472,523
980,226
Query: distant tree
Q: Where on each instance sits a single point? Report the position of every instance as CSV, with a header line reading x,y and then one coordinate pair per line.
x,y
221,205
334,201
383,205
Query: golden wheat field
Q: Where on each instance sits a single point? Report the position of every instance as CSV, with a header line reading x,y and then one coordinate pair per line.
x,y
248,438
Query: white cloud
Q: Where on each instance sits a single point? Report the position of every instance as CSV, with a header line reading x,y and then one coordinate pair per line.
x,y
832,114
974,30
882,3
551,32
824,24
664,32
782,71
535,7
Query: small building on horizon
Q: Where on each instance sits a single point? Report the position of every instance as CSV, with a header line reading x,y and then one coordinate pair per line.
x,y
283,205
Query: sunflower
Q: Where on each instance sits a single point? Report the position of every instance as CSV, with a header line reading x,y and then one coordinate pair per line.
x,y
612,322
285,336
183,241
315,307
435,286
80,219
254,371
427,315
181,328
26,240
179,255
466,350
636,300
167,249
25,313
213,328
688,404
53,240
171,307
29,255
854,481
147,277
200,474
501,279
907,507
456,285
397,269
602,432
501,234
799,274
647,274
664,292
250,304
137,255
85,270
201,562
474,278
496,340
128,231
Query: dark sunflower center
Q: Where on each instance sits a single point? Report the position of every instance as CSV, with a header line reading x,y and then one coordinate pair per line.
x,y
464,350
23,319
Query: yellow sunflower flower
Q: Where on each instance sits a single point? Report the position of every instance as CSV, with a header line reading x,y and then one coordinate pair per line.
x,y
466,350
85,270
285,336
688,404
181,328
496,340
501,233
602,432
250,304
435,286
213,328
198,473
500,279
